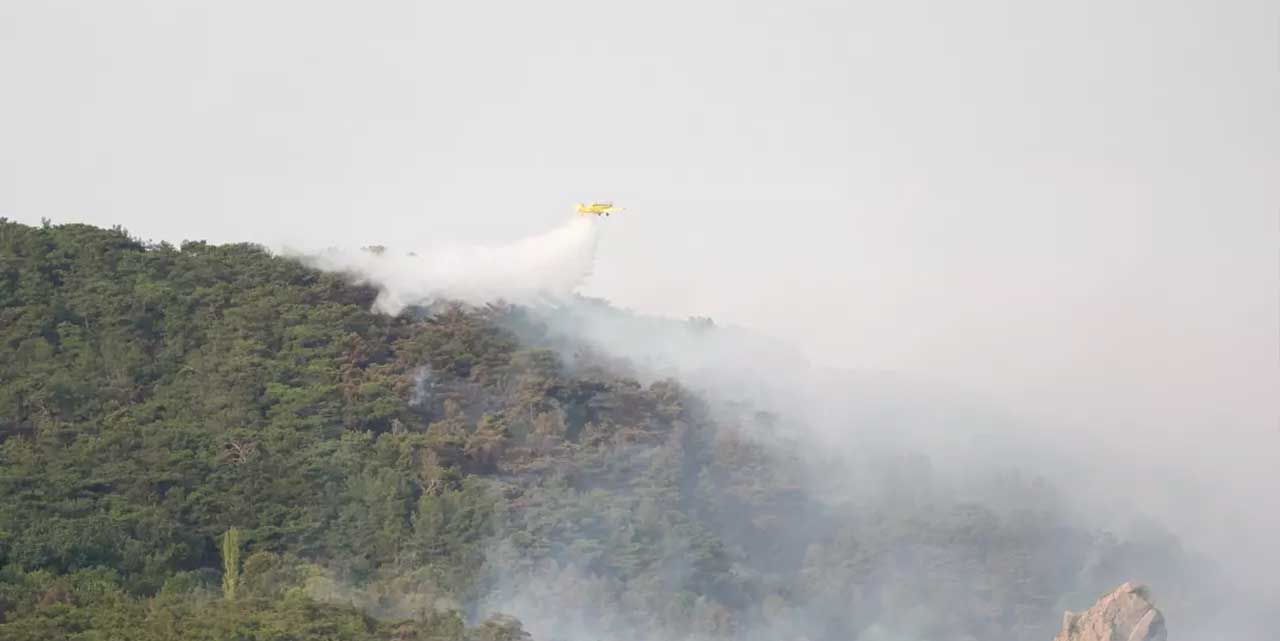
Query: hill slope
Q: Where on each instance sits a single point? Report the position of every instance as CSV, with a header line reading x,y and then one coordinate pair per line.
x,y
394,477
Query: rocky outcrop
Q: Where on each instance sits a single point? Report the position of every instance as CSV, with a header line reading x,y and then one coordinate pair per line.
x,y
1126,614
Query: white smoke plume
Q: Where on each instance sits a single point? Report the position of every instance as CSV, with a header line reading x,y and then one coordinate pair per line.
x,y
850,425
547,266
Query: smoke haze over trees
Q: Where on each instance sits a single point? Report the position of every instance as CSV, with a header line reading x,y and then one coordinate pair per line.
x,y
425,475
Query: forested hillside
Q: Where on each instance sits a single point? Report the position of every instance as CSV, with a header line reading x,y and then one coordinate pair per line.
x,y
211,442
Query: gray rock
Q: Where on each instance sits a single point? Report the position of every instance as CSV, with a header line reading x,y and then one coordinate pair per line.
x,y
1126,614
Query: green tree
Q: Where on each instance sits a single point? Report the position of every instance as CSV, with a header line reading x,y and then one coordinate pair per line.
x,y
230,563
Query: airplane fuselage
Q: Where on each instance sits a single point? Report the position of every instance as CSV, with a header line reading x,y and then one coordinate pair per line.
x,y
599,209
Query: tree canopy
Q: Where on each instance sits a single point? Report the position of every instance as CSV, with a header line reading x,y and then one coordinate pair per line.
x,y
212,442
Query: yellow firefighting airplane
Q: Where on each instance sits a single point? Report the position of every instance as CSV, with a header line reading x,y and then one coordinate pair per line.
x,y
599,209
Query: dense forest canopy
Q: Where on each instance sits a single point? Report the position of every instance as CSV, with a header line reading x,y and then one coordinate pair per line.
x,y
212,442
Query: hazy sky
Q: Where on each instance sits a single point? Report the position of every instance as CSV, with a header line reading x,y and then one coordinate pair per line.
x,y
1071,205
